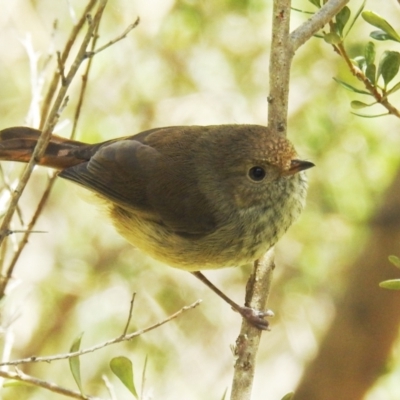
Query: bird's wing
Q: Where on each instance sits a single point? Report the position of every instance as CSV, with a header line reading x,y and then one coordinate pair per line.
x,y
140,178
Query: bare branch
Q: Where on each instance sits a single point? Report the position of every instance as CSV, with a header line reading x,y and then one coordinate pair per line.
x,y
304,32
279,67
128,321
119,339
22,377
257,291
258,285
117,39
44,138
54,82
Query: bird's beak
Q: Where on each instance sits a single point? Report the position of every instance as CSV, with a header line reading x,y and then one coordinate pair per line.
x,y
297,166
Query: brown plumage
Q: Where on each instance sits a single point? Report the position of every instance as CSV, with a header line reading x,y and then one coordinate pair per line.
x,y
194,197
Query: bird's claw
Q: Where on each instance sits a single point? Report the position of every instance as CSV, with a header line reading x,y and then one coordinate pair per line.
x,y
257,317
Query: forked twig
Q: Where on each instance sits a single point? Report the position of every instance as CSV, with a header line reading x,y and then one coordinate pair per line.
x,y
119,339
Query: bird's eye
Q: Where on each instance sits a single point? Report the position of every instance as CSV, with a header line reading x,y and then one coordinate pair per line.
x,y
257,174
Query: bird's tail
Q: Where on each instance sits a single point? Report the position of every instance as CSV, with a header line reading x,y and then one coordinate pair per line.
x,y
18,143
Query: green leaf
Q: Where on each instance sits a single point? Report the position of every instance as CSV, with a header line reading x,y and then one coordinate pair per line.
x,y
359,11
370,116
332,38
395,261
360,62
358,104
370,73
341,19
376,20
369,53
74,362
316,3
288,396
380,35
224,394
351,88
302,11
389,65
395,88
392,284
122,369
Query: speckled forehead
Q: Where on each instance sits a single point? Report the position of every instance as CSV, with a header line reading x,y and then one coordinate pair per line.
x,y
278,151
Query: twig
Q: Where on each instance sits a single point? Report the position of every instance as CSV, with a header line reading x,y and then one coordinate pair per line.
x,y
7,186
11,232
60,62
143,379
119,339
54,82
61,69
44,138
85,78
109,387
380,98
128,321
49,125
28,231
117,39
22,377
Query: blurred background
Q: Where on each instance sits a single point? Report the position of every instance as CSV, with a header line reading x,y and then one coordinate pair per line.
x,y
187,63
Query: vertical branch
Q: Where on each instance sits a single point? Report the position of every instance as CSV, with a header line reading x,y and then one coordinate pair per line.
x,y
247,343
283,46
258,286
279,67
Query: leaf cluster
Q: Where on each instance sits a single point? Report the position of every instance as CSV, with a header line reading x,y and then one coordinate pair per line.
x,y
376,75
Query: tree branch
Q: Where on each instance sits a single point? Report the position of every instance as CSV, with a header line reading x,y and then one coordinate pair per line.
x,y
279,67
123,338
52,387
283,46
258,286
257,291
304,32
46,133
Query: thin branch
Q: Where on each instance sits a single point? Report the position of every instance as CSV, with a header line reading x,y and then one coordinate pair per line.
x,y
82,92
128,321
117,39
257,291
52,387
61,69
7,186
49,125
109,387
119,339
60,62
379,97
28,231
304,32
54,82
44,138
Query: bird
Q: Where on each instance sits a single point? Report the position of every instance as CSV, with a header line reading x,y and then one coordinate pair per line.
x,y
192,197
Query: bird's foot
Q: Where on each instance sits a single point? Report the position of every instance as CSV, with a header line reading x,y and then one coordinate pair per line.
x,y
256,317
